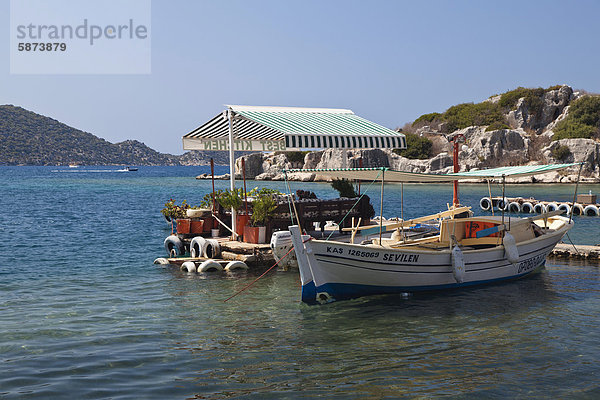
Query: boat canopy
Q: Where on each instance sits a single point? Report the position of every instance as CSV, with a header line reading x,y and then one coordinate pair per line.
x,y
257,128
390,175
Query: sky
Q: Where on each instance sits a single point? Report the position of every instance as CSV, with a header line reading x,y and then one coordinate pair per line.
x,y
388,61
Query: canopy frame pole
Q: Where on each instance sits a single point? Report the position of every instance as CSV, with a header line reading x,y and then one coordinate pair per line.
x,y
402,209
231,169
575,194
381,207
490,193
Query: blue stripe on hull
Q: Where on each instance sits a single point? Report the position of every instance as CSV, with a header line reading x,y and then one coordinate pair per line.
x,y
309,293
346,291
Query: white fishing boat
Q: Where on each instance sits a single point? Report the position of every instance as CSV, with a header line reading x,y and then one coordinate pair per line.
x,y
467,250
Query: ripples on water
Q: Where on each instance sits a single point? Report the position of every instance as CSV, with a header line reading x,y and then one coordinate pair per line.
x,y
86,315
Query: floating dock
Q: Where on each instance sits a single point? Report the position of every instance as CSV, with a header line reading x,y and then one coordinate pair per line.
x,y
585,205
565,250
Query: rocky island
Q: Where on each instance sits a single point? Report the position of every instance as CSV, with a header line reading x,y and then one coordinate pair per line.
x,y
519,127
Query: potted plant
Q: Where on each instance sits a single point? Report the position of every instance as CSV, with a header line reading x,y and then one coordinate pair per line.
x,y
173,212
263,207
229,199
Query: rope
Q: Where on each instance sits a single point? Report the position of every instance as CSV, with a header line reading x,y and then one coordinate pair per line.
x,y
264,273
357,201
573,244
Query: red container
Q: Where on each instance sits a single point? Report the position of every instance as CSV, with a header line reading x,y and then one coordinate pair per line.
x,y
183,225
241,220
251,234
196,226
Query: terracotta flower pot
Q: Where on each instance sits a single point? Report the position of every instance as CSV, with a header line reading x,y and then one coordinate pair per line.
x,y
196,226
241,220
183,225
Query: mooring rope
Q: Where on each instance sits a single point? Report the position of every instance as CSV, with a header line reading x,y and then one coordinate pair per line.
x,y
264,273
573,244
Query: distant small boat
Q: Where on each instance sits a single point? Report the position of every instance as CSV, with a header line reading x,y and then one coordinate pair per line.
x,y
73,166
128,169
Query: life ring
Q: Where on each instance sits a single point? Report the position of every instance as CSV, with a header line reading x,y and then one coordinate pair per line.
x,y
236,266
551,207
212,249
197,246
210,266
591,211
511,251
565,207
527,208
174,246
539,208
501,204
485,203
578,209
514,207
188,266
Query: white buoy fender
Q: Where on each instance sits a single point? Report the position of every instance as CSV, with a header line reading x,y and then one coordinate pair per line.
x,y
458,264
510,248
591,210
212,248
578,209
485,203
197,246
514,207
210,266
162,261
565,207
539,208
174,246
551,207
527,207
188,266
502,204
236,266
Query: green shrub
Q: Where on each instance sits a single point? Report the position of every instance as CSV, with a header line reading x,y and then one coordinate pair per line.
x,y
469,114
426,118
417,147
494,126
583,120
586,110
561,152
344,188
568,128
533,99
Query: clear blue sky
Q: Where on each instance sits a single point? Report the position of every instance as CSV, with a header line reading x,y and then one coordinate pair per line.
x,y
389,61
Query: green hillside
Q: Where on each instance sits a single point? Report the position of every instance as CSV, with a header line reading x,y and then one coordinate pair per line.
x,y
27,138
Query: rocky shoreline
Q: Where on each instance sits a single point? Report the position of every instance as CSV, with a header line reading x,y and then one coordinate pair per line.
x,y
526,140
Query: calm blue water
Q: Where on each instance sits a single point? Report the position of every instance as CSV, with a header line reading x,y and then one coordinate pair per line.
x,y
85,313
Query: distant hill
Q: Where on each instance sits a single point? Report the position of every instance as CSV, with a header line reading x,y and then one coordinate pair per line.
x,y
27,138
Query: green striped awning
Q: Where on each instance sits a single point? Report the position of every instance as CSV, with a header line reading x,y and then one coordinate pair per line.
x,y
290,128
389,175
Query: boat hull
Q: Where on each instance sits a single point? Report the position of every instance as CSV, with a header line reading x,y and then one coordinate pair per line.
x,y
337,271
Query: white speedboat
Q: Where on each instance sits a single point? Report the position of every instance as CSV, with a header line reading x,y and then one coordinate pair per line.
x,y
467,251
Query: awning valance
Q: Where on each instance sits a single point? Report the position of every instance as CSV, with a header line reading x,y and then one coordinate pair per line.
x,y
389,175
291,128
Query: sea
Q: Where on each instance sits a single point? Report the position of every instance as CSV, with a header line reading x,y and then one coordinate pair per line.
x,y
85,314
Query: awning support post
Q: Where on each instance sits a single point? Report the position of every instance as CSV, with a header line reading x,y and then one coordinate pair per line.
x,y
231,169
